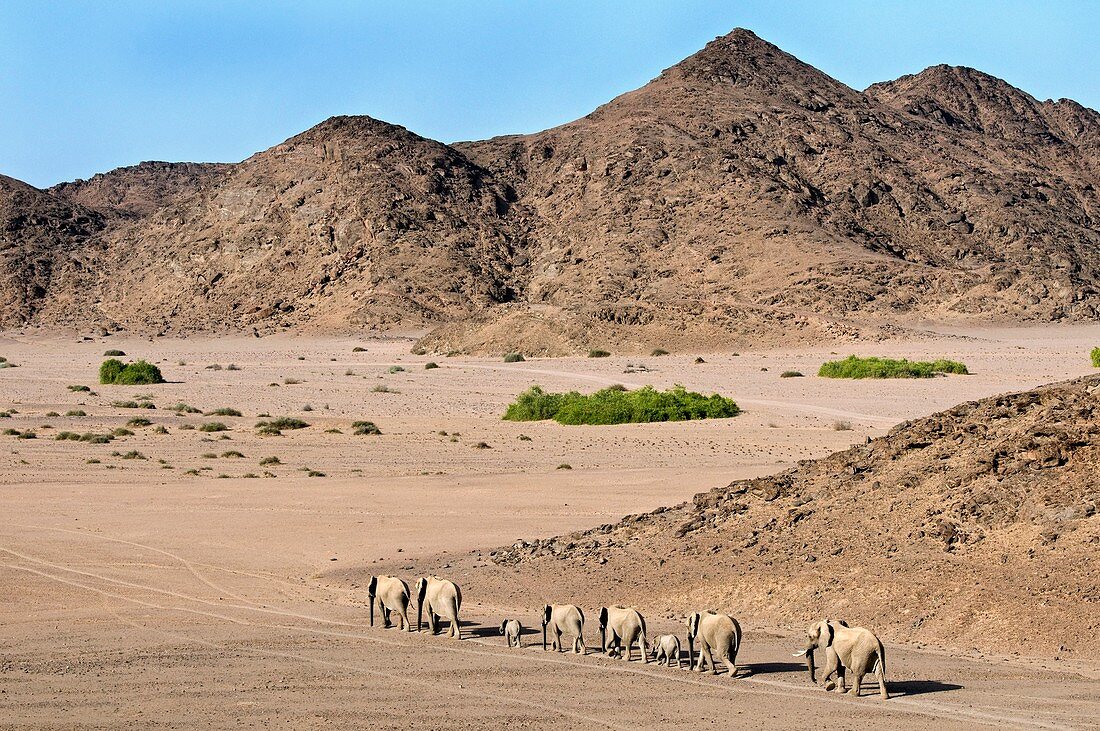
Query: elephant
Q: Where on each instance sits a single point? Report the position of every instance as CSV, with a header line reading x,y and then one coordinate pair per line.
x,y
512,631
626,626
666,647
717,633
442,598
392,595
855,649
563,618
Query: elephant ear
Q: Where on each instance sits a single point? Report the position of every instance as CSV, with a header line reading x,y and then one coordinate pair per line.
x,y
829,632
841,622
693,624
503,626
603,616
546,611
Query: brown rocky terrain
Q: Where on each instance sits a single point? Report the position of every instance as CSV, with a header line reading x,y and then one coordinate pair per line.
x,y
740,197
974,527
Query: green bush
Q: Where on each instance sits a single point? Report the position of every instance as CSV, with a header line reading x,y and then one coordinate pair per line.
x,y
182,408
364,428
270,460
129,374
213,426
113,354
614,406
597,353
138,421
514,358
76,412
395,369
872,367
225,411
658,352
791,374
1095,355
430,365
283,422
79,388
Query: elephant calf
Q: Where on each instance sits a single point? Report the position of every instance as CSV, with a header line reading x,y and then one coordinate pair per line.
x,y
512,630
846,648
667,648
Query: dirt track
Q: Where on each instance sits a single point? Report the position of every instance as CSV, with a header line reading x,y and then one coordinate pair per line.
x,y
138,596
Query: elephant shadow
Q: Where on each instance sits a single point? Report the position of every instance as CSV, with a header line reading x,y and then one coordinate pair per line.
x,y
919,687
767,668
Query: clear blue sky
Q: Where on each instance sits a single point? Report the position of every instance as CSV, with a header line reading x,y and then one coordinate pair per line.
x,y
89,86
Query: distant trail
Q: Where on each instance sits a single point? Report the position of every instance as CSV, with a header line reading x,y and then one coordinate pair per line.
x,y
882,421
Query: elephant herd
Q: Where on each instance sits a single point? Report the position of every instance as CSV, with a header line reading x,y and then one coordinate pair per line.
x,y
854,650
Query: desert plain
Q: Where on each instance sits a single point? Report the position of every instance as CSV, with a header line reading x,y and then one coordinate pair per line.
x,y
171,580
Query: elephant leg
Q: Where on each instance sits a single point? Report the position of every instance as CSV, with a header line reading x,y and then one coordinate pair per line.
x,y
882,682
578,642
456,630
557,641
857,680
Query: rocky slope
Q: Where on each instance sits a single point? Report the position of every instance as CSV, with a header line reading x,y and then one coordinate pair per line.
x,y
740,197
974,527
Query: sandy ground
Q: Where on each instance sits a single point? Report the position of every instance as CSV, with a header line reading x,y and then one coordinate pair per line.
x,y
133,593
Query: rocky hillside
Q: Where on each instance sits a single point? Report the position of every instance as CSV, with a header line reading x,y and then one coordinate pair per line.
x,y
742,196
975,527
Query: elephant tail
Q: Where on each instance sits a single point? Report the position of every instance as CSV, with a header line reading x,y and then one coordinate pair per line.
x,y
458,598
644,633
880,662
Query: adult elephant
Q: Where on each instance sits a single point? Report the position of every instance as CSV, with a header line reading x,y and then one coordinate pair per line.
x,y
443,599
625,625
717,634
392,595
567,619
855,649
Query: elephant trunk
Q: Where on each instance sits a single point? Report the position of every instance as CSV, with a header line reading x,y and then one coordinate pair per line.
x,y
810,665
372,610
544,636
422,591
691,651
603,639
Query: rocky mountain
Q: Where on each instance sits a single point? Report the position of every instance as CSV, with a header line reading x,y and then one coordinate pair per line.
x,y
740,197
976,527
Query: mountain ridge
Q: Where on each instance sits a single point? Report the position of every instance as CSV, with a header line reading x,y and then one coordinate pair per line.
x,y
740,197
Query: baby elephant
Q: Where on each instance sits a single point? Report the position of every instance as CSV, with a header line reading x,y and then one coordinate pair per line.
x,y
666,647
511,629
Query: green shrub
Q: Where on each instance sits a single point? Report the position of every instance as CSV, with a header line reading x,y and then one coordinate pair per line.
x,y
1095,355
232,367
161,429
79,388
122,432
613,406
9,432
657,352
564,466
67,435
395,369
213,426
383,388
130,374
93,438
358,349
598,353
699,359
430,365
75,412
224,411
283,422
315,473
514,358
134,454
232,454
791,374
182,408
26,435
873,367
138,421
52,414
363,428
268,431
270,460
113,354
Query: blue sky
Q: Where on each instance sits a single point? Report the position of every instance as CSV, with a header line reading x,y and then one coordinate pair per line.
x,y
89,86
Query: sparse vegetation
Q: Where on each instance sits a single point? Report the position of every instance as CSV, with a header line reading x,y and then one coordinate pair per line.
x,y
842,426
791,374
113,354
26,435
383,388
307,407
874,367
290,382
75,412
514,358
430,365
699,359
129,374
597,353
315,473
160,429
612,406
658,352
270,461
275,427
122,432
1095,356
138,421
358,349
134,454
133,405
182,408
524,438
364,428
213,426
79,389
224,411
564,466
232,454
232,367
395,369
52,414
214,367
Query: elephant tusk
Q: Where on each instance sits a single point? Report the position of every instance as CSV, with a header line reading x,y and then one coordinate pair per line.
x,y
798,654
